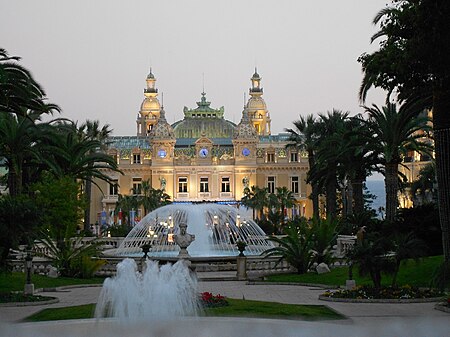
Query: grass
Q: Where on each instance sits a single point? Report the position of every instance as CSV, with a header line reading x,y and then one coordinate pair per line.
x,y
411,273
56,314
16,281
247,308
240,308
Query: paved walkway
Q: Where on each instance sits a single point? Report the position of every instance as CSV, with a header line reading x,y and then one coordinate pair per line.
x,y
359,314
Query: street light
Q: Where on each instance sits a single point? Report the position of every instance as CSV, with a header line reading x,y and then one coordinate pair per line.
x,y
29,287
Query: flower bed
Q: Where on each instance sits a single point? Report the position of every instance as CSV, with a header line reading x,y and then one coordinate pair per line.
x,y
16,298
208,300
405,293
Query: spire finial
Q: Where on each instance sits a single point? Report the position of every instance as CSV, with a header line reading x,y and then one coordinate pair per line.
x,y
203,81
162,100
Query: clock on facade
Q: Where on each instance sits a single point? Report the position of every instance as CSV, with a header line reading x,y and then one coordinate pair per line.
x,y
245,151
162,153
203,152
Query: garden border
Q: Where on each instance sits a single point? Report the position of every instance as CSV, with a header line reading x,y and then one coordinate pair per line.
x,y
51,300
442,307
380,300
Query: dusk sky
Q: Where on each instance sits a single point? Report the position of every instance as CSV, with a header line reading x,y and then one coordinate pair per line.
x,y
92,57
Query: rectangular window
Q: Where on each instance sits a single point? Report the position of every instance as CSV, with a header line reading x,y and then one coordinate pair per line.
x,y
136,158
137,186
204,186
113,188
182,184
271,184
294,157
225,184
115,157
271,157
294,185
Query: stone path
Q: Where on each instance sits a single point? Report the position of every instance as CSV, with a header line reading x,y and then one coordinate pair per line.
x,y
368,315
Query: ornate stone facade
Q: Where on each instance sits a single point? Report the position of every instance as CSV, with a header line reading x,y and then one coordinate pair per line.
x,y
204,157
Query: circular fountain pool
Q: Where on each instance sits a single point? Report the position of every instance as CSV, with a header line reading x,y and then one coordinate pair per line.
x,y
216,227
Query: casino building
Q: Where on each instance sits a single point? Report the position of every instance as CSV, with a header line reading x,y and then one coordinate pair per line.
x,y
203,157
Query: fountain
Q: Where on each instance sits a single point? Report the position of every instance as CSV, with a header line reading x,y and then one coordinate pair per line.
x,y
216,228
157,293
170,290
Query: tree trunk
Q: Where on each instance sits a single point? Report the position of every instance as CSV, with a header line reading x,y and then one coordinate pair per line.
x,y
315,200
87,210
349,196
331,197
14,181
315,188
358,194
391,185
441,126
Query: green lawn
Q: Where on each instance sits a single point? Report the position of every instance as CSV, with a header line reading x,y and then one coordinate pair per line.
x,y
56,314
16,281
247,308
240,308
412,273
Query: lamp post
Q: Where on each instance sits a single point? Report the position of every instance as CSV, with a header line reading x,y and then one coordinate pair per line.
x,y
29,287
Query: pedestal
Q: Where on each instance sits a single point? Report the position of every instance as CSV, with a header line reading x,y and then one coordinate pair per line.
x,y
350,284
29,289
241,268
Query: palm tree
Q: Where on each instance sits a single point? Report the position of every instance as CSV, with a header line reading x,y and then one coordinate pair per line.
x,y
281,200
248,199
19,92
91,130
370,257
19,217
406,246
392,134
327,158
80,158
423,189
152,198
296,247
413,61
256,198
357,161
304,137
21,138
324,234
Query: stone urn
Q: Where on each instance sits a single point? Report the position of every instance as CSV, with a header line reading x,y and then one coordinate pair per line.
x,y
241,247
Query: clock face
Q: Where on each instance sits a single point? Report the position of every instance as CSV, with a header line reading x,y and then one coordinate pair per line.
x,y
245,151
162,153
203,152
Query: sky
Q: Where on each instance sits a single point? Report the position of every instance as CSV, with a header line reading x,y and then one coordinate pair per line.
x,y
92,57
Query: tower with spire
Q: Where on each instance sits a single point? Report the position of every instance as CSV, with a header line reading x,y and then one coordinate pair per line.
x,y
256,107
150,108
245,139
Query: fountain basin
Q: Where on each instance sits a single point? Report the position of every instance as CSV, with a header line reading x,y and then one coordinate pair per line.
x,y
217,229
231,326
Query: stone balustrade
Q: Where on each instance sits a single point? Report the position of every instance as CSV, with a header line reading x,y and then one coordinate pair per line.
x,y
254,264
344,244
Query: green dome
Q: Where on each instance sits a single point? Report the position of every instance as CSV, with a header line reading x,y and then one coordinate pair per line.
x,y
203,121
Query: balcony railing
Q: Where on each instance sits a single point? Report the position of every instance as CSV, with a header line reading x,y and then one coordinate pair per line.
x,y
110,199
